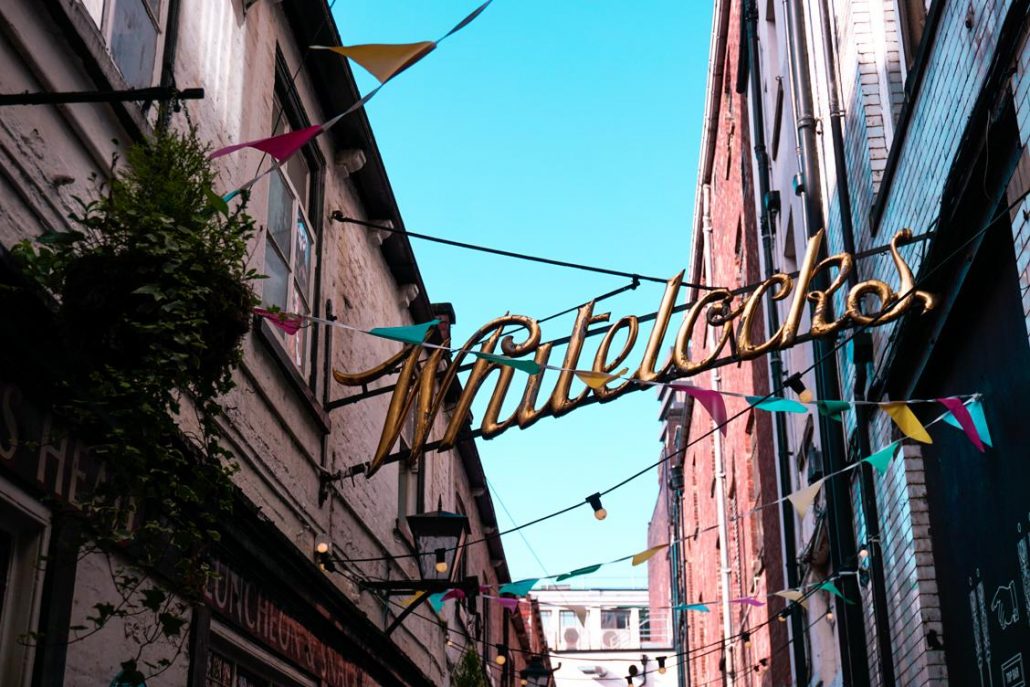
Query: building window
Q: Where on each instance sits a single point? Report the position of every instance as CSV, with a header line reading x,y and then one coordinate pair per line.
x,y
547,626
645,624
131,29
912,19
570,631
615,619
223,671
290,258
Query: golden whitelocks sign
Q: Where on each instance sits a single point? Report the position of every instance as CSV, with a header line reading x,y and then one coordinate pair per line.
x,y
425,376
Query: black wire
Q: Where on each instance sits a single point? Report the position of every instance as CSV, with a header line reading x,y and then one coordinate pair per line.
x,y
778,387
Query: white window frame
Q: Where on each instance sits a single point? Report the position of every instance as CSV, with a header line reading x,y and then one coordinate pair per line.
x,y
105,24
237,648
30,530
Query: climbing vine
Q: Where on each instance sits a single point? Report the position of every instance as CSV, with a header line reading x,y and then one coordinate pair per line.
x,y
151,298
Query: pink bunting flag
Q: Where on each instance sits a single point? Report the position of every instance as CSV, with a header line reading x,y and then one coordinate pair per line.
x,y
711,400
287,322
454,594
747,601
280,147
965,420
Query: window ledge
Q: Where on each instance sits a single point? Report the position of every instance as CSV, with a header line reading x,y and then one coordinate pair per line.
x,y
268,337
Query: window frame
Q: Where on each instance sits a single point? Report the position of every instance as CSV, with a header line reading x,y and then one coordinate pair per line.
x,y
105,27
294,114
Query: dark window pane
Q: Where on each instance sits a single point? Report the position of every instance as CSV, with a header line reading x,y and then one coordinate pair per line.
x,y
280,212
219,671
302,255
277,285
134,42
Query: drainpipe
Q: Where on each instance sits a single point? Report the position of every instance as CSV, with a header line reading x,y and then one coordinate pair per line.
x,y
868,491
783,459
680,639
850,630
720,469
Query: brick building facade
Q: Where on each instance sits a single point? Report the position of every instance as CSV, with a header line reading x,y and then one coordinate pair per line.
x,y
273,615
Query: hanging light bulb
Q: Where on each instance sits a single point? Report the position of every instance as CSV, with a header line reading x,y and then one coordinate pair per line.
x,y
745,637
322,547
661,665
595,502
523,682
863,553
441,562
629,680
829,614
782,616
501,658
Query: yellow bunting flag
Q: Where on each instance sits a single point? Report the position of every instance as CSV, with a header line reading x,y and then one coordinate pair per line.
x,y
802,499
644,555
383,60
418,596
907,421
793,595
597,380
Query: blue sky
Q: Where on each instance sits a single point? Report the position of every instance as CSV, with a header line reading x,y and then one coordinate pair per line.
x,y
568,129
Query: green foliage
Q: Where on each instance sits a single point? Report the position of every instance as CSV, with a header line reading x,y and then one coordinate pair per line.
x,y
154,298
469,671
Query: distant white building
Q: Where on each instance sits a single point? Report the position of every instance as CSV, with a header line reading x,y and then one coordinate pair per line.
x,y
598,634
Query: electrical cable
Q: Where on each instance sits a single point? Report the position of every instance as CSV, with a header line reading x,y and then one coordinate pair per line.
x,y
778,387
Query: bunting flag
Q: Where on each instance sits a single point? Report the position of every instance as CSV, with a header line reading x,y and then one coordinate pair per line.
x,y
284,321
645,555
958,410
280,147
467,20
581,614
794,595
882,458
907,421
597,380
581,571
976,413
383,60
505,601
527,366
700,608
453,594
830,587
712,401
520,588
412,334
747,601
776,405
832,409
436,601
802,499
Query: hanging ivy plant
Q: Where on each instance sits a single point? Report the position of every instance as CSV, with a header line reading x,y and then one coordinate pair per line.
x,y
153,298
469,671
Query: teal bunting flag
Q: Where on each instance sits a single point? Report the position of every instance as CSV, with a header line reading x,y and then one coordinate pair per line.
x,y
527,366
832,589
777,405
882,458
520,588
976,411
436,601
832,409
700,608
412,334
581,571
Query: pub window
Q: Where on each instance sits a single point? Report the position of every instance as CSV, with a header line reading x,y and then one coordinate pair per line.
x,y
290,247
226,670
131,30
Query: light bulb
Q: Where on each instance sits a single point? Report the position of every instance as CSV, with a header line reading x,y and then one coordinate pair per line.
x,y
500,659
600,514
322,547
782,617
441,562
863,553
661,665
595,502
662,670
746,639
441,567
523,682
829,615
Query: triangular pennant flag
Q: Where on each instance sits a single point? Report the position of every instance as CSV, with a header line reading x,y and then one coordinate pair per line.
x,y
747,601
436,601
882,458
832,588
506,602
712,401
907,421
280,147
958,411
413,333
597,380
793,595
776,405
417,596
976,413
581,614
580,571
284,321
520,588
832,409
383,60
700,608
802,499
644,555
454,594
468,20
527,366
